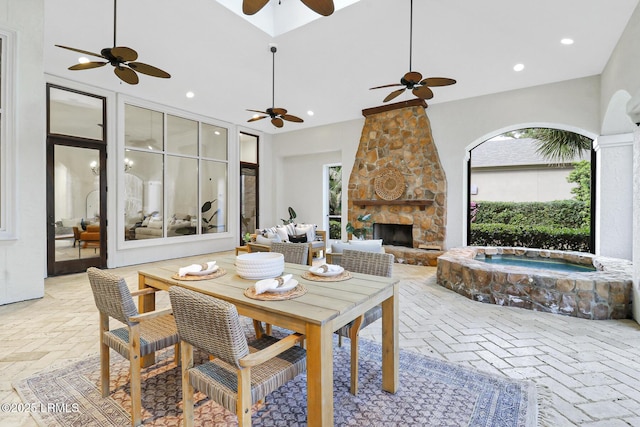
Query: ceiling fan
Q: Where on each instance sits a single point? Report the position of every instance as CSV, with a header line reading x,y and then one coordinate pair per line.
x,y
123,59
278,115
322,7
413,80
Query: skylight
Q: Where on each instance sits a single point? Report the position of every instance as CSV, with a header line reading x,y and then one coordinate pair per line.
x,y
281,16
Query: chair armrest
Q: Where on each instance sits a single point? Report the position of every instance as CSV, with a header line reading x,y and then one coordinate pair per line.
x,y
270,352
334,258
256,247
144,291
150,315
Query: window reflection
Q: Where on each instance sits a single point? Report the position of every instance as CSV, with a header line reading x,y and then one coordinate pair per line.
x,y
143,196
213,185
182,196
176,175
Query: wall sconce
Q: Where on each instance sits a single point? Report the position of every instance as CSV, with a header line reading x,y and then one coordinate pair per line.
x,y
95,168
128,164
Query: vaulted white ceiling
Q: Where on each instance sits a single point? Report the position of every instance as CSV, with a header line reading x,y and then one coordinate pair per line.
x,y
328,65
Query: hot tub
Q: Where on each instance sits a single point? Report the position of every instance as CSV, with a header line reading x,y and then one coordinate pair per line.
x,y
598,287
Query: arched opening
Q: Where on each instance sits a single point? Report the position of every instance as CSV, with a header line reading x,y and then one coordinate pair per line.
x,y
532,186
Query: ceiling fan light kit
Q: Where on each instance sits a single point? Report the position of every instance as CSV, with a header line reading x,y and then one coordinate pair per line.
x,y
122,58
413,80
277,115
322,7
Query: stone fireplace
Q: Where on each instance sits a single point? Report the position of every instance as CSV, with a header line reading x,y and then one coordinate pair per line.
x,y
397,178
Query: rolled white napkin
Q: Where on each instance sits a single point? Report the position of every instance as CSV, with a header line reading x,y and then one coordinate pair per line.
x,y
325,268
268,284
194,268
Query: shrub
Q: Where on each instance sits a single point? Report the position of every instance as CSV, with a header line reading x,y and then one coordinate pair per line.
x,y
531,236
558,213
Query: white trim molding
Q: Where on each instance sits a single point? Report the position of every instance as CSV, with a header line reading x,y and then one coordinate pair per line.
x,y
8,192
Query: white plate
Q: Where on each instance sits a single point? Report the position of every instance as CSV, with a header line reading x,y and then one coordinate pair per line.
x,y
318,272
259,276
204,272
284,288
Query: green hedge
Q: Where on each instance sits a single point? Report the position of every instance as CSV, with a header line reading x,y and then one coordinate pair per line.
x,y
559,213
530,236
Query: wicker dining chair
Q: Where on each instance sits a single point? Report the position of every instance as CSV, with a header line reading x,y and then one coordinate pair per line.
x,y
141,335
296,253
377,264
241,373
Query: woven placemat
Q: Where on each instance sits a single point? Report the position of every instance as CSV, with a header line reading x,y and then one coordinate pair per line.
x,y
296,292
218,273
345,275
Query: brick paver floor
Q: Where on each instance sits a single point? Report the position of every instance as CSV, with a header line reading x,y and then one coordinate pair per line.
x,y
591,367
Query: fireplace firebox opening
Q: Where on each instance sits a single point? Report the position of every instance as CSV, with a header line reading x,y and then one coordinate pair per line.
x,y
394,234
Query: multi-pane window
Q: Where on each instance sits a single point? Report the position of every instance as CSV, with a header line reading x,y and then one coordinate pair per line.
x,y
176,175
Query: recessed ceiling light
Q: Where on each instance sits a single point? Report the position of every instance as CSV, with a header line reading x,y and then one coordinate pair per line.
x,y
566,41
217,132
190,94
83,60
310,113
518,67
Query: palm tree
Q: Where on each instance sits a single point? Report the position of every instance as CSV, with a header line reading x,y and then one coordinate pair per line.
x,y
558,145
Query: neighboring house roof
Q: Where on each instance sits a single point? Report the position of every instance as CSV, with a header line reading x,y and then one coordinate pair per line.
x,y
511,152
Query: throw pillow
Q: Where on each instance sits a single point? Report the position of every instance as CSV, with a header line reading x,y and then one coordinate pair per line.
x,y
281,230
366,242
301,238
308,229
261,240
337,247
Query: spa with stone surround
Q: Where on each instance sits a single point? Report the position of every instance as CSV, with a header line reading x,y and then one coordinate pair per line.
x,y
604,293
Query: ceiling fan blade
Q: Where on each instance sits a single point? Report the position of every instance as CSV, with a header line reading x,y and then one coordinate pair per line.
x,y
258,111
423,92
438,81
394,94
413,76
323,7
389,85
279,111
291,118
86,52
277,122
124,53
88,65
250,7
149,70
253,119
127,75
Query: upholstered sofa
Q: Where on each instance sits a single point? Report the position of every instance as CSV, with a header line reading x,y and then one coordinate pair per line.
x,y
296,233
335,255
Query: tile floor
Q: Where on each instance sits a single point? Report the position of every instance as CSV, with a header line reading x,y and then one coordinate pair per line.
x,y
591,366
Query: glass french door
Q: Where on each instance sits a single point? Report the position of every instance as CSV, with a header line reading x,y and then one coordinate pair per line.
x,y
76,182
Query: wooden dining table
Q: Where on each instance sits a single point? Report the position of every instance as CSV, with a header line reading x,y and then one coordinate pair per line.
x,y
323,309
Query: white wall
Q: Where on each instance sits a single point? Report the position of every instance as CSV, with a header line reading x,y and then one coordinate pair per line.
x,y
23,260
522,185
457,127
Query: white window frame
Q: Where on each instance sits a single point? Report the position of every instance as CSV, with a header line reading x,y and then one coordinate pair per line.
x,y
8,201
165,110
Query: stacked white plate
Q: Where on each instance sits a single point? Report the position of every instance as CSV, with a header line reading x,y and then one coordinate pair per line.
x,y
259,265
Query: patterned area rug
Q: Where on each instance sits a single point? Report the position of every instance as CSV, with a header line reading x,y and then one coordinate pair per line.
x,y
431,393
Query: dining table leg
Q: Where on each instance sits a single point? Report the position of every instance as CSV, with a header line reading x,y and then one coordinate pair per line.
x,y
319,339
390,347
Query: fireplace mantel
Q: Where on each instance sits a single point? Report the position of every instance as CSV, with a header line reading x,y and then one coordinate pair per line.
x,y
422,204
